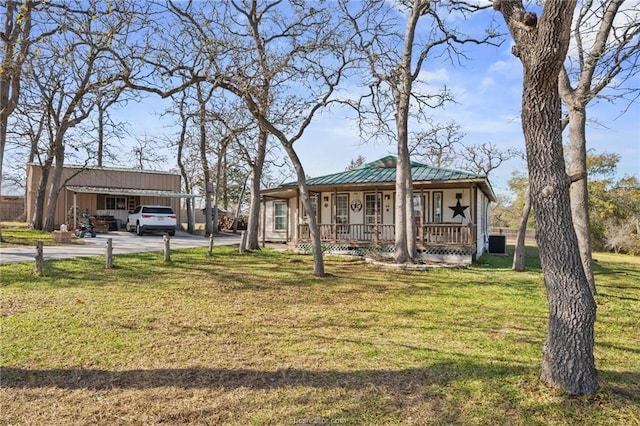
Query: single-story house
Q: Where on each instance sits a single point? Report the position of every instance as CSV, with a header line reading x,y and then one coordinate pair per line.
x,y
106,192
355,209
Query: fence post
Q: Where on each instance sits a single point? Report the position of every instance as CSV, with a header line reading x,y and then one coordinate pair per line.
x,y
167,248
210,252
243,237
109,256
39,258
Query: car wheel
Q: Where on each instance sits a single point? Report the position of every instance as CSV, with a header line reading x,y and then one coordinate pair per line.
x,y
172,233
138,229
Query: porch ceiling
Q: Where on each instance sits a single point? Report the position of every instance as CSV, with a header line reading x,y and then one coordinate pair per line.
x,y
129,191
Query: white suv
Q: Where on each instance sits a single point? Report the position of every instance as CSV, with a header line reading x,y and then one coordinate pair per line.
x,y
152,218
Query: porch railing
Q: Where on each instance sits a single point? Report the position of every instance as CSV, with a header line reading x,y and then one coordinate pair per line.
x,y
446,233
428,234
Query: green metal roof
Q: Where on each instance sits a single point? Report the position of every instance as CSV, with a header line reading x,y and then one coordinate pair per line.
x,y
382,173
384,170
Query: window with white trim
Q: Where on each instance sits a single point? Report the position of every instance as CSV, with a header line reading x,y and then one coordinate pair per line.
x,y
342,212
342,208
279,216
437,207
372,207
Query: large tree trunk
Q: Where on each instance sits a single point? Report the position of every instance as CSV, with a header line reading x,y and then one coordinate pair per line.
x,y
519,251
579,192
54,187
568,361
37,221
541,44
187,186
204,162
253,224
316,245
15,37
405,242
402,176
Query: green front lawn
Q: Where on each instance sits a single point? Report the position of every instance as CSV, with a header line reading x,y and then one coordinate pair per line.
x,y
255,339
20,236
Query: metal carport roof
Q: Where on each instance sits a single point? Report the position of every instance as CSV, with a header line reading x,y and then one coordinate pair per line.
x,y
130,191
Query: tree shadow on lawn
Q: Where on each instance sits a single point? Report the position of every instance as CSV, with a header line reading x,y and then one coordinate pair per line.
x,y
193,378
397,382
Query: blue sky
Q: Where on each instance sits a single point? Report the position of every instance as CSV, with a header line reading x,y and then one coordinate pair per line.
x,y
487,89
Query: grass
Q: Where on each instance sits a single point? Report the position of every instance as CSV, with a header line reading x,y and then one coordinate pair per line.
x,y
16,234
255,339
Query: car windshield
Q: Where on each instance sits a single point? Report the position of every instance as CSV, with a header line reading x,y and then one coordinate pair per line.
x,y
158,210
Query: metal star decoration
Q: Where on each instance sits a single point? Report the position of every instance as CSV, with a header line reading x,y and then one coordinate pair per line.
x,y
459,209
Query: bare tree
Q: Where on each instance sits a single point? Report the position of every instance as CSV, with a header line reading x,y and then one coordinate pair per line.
x,y
106,128
395,62
181,105
483,158
146,153
607,42
70,68
230,121
294,80
202,98
437,144
541,44
17,41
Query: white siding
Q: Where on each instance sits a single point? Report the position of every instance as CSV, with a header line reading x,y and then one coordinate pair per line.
x,y
482,231
271,234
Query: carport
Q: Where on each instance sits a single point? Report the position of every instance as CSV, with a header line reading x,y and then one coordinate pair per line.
x,y
128,194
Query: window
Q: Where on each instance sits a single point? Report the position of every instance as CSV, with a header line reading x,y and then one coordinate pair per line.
x,y
342,212
279,215
115,203
437,207
342,208
157,210
372,209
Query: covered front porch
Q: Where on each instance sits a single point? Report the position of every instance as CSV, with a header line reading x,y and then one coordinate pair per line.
x,y
442,243
431,234
356,211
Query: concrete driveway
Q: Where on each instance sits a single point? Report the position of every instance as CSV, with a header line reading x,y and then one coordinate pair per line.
x,y
122,241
